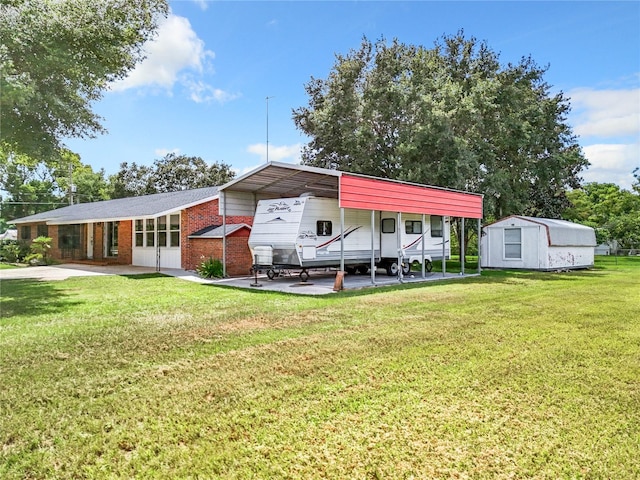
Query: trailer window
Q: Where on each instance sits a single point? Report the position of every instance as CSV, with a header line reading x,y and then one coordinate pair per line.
x,y
388,225
323,228
513,243
413,226
436,226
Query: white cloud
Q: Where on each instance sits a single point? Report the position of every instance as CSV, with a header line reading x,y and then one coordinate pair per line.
x,y
202,4
161,152
201,92
292,153
175,56
606,113
612,163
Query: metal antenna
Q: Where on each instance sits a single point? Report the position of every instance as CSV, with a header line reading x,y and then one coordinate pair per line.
x,y
268,128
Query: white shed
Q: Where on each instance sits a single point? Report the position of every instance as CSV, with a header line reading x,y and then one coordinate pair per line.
x,y
537,244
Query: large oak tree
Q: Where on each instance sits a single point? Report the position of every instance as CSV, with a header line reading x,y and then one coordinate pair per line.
x,y
452,116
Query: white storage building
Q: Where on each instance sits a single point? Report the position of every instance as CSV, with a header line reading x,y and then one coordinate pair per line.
x,y
537,244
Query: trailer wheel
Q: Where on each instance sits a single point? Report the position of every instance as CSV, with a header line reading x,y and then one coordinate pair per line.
x,y
363,269
406,268
428,265
271,274
350,270
304,275
392,269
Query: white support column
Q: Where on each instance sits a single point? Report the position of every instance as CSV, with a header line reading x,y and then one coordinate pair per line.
x,y
479,237
373,247
224,233
424,229
444,246
342,239
399,244
462,245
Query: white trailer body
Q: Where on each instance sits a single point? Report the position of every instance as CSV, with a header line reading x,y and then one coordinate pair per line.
x,y
305,232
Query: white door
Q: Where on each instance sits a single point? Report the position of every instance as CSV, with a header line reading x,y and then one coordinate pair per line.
x,y
389,237
90,240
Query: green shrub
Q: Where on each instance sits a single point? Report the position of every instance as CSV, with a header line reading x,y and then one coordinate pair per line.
x,y
210,268
39,249
12,251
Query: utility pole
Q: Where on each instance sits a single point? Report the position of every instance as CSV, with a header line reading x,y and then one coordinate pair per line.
x,y
70,184
268,128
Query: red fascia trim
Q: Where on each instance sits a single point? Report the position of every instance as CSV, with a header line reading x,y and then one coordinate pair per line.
x,y
383,195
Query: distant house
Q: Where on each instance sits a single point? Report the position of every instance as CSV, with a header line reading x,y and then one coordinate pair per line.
x,y
603,249
537,244
10,234
165,230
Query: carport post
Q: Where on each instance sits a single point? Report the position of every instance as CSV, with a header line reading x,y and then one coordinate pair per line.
x,y
399,243
224,234
373,247
341,239
462,245
479,236
444,246
424,229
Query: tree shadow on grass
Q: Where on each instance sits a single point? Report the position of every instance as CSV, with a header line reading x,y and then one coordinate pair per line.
x,y
31,297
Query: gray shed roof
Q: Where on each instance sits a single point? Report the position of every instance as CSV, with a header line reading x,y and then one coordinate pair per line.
x,y
215,231
561,233
124,208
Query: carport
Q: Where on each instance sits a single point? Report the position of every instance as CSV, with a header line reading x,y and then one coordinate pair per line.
x,y
353,191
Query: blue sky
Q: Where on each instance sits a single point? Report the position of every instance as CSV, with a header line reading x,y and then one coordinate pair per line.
x,y
202,90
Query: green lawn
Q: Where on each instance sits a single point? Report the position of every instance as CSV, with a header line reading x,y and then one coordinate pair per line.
x,y
508,375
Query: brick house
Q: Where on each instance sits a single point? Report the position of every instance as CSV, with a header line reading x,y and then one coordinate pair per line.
x,y
164,230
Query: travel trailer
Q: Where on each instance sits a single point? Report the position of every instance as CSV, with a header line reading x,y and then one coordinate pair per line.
x,y
304,232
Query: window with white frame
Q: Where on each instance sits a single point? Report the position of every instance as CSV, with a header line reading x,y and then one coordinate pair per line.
x,y
163,231
513,243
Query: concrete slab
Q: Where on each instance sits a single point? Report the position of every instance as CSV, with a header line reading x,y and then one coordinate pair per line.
x,y
321,282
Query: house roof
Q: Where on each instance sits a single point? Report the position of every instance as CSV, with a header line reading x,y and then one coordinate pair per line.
x,y
215,231
560,233
124,208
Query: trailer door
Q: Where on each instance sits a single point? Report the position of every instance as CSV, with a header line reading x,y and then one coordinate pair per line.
x,y
388,236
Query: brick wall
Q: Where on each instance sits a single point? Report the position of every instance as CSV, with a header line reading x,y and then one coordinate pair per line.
x,y
98,241
125,239
192,250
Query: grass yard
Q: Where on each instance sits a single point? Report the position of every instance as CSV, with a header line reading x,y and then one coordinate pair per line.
x,y
508,375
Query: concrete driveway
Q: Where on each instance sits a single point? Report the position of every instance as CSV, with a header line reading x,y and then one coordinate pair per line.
x,y
67,270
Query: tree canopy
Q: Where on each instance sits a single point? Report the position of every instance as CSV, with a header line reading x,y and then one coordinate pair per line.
x,y
168,174
37,186
57,57
451,116
613,212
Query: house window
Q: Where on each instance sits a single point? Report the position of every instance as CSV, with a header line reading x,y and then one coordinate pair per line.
x,y
150,234
174,230
43,231
69,236
323,228
388,225
413,226
139,232
25,232
513,243
436,226
162,231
